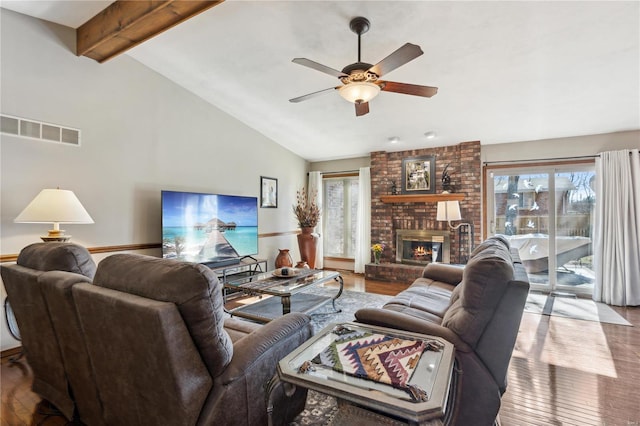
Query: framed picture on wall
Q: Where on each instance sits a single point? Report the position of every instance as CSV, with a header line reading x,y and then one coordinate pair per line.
x,y
418,175
268,192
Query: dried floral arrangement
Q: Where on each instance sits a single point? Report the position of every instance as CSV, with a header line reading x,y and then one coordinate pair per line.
x,y
306,209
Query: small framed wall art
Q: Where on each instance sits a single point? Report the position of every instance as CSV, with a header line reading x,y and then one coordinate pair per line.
x,y
418,175
268,192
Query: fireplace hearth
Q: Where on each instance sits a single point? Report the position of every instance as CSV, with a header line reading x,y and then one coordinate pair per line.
x,y
421,247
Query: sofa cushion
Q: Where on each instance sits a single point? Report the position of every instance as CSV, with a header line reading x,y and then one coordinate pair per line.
x,y
57,257
194,289
484,281
443,272
424,297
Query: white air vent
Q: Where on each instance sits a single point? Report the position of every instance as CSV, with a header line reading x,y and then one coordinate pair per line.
x,y
32,129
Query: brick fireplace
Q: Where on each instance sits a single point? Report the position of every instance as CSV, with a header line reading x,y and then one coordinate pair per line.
x,y
388,217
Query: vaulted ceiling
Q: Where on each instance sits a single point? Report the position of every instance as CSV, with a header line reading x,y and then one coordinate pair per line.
x,y
506,71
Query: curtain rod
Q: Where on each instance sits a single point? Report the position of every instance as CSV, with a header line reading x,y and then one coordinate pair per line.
x,y
343,171
541,159
546,159
334,173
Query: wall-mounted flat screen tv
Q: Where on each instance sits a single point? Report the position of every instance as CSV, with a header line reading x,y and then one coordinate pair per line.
x,y
208,228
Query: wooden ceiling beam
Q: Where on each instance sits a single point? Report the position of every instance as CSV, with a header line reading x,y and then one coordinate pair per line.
x,y
127,23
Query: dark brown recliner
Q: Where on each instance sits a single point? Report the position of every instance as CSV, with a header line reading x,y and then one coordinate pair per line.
x,y
478,309
40,342
162,352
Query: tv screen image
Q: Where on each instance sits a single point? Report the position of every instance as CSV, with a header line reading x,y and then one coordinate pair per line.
x,y
208,228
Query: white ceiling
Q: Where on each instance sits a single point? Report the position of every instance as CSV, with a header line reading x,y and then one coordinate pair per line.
x,y
506,71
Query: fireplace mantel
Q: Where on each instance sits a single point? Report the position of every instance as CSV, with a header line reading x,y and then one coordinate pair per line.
x,y
420,198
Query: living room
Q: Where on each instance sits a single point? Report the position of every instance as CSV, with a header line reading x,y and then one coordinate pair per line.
x,y
142,133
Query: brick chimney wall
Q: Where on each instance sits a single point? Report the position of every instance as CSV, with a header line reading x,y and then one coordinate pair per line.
x,y
465,170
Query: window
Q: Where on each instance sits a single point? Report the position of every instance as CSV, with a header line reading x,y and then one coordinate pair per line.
x,y
546,212
340,216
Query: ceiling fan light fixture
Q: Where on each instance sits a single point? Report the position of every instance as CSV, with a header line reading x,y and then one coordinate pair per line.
x,y
359,92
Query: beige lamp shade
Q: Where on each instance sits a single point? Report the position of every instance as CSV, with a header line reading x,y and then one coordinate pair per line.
x,y
448,211
55,206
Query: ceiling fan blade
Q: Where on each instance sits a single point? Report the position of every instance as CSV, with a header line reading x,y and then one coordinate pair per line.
x,y
362,108
311,95
408,89
398,58
318,67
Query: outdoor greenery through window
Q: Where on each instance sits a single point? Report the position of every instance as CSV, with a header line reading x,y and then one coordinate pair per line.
x,y
340,205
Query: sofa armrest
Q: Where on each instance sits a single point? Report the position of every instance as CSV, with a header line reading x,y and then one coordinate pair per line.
x,y
263,348
400,321
450,274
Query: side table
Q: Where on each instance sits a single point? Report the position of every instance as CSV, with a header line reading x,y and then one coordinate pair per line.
x,y
362,401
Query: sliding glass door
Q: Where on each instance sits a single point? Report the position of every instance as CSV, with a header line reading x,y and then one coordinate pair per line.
x,y
546,212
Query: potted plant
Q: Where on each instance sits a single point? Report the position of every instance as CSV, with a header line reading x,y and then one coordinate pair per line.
x,y
307,213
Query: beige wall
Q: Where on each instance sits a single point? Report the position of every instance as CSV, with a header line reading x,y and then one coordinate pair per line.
x,y
561,147
346,165
141,133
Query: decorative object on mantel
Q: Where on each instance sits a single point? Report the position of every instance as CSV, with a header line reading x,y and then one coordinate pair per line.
x,y
55,206
449,211
284,259
307,212
377,250
446,180
418,175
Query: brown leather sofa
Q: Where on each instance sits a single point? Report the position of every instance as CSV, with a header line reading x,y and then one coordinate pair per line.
x,y
478,308
40,342
150,338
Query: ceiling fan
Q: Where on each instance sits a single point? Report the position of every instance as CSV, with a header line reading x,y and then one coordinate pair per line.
x,y
360,80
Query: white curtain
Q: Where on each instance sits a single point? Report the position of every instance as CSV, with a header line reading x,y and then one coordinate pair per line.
x,y
616,228
363,231
315,187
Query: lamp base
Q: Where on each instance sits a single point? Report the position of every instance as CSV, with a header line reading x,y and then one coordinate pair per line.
x,y
58,239
56,235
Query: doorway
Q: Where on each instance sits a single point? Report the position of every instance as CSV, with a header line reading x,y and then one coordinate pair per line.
x,y
546,212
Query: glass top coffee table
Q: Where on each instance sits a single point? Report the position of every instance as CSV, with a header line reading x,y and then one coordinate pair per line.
x,y
290,294
363,399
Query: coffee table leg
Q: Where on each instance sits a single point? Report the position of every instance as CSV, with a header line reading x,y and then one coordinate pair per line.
x,y
272,385
286,304
333,301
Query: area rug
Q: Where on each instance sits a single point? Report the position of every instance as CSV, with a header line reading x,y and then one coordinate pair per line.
x,y
349,302
573,307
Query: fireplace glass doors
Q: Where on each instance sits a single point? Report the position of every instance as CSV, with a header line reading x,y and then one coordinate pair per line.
x,y
422,247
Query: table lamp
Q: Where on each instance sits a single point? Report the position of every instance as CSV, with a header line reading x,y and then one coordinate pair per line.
x,y
449,211
55,206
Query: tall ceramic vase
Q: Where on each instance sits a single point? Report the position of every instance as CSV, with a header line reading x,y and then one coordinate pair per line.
x,y
284,259
307,243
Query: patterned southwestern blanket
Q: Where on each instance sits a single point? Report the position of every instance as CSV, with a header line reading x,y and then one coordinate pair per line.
x,y
374,356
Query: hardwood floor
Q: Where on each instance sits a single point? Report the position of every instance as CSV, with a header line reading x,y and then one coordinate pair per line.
x,y
563,372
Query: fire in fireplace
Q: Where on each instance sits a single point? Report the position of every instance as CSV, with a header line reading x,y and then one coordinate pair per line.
x,y
422,247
